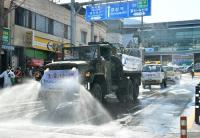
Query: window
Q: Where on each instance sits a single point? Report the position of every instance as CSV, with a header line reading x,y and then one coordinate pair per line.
x,y
6,18
23,17
67,31
83,37
27,19
58,29
33,20
50,26
40,23
19,16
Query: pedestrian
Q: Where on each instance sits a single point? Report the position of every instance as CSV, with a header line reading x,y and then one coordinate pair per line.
x,y
9,77
192,73
18,75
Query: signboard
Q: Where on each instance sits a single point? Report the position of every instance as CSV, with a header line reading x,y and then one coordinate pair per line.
x,y
131,63
6,36
148,50
139,8
29,38
8,47
35,62
118,10
38,42
96,12
183,59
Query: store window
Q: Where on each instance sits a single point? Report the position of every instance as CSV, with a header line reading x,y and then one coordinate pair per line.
x,y
83,37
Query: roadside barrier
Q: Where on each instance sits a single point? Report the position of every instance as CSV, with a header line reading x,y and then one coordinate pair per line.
x,y
197,99
183,126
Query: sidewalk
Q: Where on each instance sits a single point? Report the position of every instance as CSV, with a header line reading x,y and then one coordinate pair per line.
x,y
194,132
193,129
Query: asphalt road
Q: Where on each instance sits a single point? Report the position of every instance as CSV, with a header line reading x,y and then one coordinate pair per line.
x,y
155,114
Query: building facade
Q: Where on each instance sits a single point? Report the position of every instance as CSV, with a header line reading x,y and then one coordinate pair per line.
x,y
175,42
39,29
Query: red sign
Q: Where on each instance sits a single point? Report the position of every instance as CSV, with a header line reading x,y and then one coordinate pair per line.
x,y
36,62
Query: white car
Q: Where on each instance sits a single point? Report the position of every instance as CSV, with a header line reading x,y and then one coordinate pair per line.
x,y
153,74
172,73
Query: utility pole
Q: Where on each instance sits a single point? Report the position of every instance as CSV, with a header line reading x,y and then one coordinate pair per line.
x,y
1,28
73,24
92,27
141,47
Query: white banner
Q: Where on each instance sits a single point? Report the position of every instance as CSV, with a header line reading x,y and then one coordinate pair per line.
x,y
131,63
54,79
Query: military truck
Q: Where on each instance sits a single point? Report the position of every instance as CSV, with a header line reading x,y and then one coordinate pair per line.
x,y
103,69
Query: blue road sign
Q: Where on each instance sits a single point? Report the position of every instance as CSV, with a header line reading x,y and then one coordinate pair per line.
x,y
96,12
118,10
139,8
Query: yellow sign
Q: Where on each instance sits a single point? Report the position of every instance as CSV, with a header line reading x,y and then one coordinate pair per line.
x,y
152,62
48,45
43,43
29,39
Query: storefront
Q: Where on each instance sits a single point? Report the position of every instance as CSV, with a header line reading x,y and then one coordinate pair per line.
x,y
42,49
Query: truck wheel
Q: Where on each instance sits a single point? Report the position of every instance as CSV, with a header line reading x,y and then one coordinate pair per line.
x,y
136,91
144,86
150,87
163,84
97,92
125,95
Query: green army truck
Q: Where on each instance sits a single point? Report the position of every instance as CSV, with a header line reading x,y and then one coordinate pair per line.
x,y
103,69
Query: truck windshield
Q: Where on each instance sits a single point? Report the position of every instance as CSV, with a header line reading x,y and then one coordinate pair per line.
x,y
80,53
151,68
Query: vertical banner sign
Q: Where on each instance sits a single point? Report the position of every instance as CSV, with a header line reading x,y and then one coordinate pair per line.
x,y
118,10
6,36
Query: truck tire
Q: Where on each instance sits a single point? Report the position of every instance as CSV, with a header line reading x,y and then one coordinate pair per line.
x,y
163,84
97,92
136,91
144,86
125,94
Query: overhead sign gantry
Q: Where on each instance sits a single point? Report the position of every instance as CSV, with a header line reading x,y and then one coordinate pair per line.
x,y
118,10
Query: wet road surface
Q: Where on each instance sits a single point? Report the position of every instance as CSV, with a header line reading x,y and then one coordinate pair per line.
x,y
155,114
